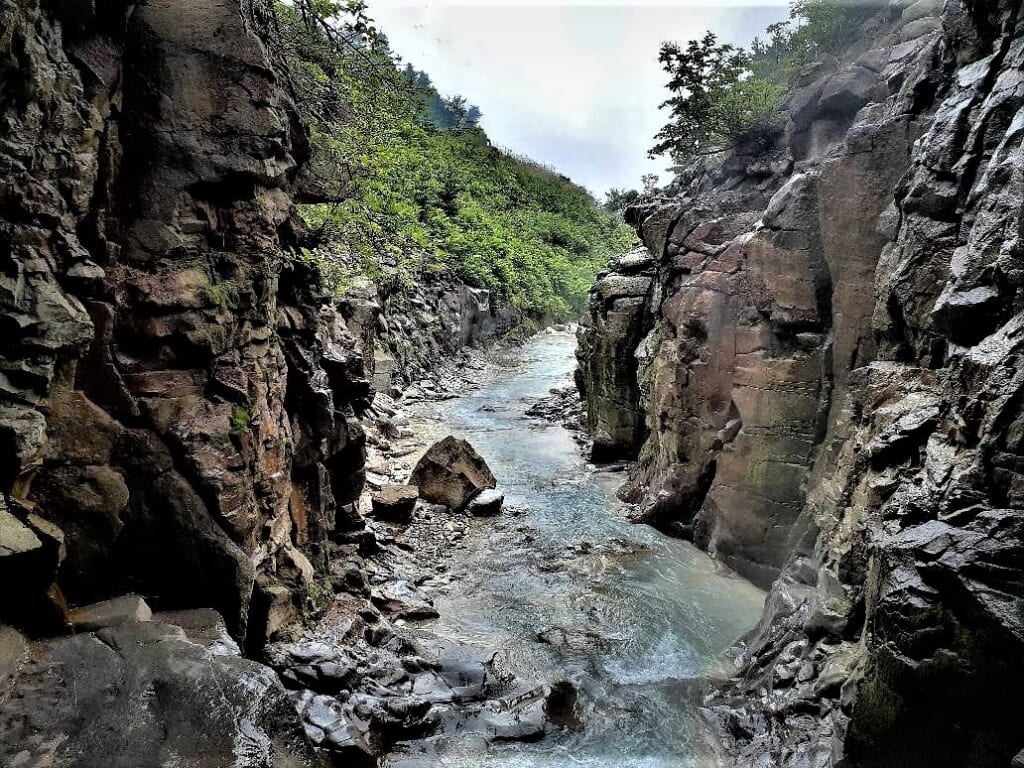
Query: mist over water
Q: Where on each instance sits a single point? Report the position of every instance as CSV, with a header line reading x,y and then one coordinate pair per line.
x,y
571,591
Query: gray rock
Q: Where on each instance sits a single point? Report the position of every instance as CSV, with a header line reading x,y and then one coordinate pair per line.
x,y
205,709
486,503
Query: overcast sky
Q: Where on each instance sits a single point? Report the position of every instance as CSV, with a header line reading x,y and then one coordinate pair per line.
x,y
573,85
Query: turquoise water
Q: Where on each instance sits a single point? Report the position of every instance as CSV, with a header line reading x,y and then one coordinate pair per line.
x,y
562,587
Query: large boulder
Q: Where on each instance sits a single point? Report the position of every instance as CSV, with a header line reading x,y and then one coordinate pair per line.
x,y
187,701
451,472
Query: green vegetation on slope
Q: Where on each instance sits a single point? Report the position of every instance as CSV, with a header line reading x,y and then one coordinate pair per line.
x,y
724,97
424,190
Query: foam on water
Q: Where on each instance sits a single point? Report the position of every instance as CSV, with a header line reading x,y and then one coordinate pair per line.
x,y
670,659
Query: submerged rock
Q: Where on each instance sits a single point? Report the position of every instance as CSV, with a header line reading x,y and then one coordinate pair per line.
x,y
451,472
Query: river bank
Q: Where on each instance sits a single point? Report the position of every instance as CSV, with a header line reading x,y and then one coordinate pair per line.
x,y
554,632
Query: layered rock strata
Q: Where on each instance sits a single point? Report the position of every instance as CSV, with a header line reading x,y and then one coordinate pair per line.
x,y
178,404
418,329
830,387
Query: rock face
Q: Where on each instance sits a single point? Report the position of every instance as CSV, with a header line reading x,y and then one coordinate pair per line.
x,y
438,319
189,699
176,405
451,472
830,381
607,374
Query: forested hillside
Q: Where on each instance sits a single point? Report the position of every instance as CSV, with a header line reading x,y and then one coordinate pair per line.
x,y
412,186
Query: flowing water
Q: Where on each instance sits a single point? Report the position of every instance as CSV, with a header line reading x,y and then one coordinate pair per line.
x,y
570,590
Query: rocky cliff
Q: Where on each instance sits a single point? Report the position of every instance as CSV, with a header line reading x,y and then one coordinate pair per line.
x,y
179,401
825,347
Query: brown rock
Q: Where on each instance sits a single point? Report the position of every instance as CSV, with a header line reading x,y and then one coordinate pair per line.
x,y
451,472
395,503
110,613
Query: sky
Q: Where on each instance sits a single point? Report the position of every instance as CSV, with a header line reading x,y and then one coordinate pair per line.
x,y
573,85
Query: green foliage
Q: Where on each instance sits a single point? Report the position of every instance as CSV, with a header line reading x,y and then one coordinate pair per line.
x,y
726,97
239,422
617,200
824,26
427,194
716,101
223,293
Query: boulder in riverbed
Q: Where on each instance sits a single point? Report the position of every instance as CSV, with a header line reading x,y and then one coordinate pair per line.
x,y
451,472
395,503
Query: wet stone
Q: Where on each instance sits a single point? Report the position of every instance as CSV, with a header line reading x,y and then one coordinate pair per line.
x,y
404,601
486,503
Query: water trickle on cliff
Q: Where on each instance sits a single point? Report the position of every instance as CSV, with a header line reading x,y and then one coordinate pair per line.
x,y
571,591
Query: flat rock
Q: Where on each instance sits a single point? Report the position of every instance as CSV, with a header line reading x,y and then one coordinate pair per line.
x,y
110,613
395,503
15,537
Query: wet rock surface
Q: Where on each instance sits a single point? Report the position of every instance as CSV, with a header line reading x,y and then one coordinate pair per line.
x,y
190,700
178,408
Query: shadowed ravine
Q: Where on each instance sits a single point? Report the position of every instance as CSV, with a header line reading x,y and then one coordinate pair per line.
x,y
569,590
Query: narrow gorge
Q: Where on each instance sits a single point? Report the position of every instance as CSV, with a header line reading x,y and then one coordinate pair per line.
x,y
315,450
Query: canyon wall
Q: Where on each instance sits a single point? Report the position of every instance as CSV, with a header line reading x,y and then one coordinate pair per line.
x,y
829,376
179,402
177,412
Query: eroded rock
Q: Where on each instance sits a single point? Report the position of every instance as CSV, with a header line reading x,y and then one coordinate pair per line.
x,y
204,708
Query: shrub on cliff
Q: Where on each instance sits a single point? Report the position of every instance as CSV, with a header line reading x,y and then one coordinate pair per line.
x,y
717,104
724,97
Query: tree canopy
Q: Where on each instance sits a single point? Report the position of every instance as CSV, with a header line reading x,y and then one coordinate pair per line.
x,y
724,97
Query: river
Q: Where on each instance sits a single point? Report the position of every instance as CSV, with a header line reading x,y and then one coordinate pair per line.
x,y
565,588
